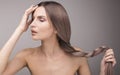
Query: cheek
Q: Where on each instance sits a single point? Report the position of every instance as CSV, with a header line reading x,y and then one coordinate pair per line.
x,y
45,30
43,27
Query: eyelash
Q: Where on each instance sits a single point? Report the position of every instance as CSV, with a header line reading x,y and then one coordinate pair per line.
x,y
42,20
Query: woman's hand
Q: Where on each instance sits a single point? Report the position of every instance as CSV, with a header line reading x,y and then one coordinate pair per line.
x,y
108,57
25,22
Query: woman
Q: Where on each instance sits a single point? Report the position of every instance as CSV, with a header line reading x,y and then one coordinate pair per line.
x,y
55,56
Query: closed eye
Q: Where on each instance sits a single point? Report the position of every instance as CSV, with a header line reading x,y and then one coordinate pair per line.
x,y
41,18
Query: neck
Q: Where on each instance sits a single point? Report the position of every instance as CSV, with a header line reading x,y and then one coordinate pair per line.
x,y
50,47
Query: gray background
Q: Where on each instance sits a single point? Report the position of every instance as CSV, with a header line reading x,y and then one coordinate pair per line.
x,y
94,23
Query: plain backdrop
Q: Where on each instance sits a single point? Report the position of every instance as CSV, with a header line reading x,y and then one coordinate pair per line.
x,y
94,23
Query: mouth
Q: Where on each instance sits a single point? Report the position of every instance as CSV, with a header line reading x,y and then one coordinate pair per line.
x,y
33,32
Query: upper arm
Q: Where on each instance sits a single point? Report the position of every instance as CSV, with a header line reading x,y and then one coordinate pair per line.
x,y
16,64
84,67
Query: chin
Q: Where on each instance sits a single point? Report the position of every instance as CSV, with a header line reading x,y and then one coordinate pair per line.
x,y
35,38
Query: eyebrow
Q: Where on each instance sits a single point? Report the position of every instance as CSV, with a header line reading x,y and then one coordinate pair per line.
x,y
39,16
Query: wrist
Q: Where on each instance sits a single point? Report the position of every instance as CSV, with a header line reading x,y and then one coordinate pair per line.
x,y
19,30
102,72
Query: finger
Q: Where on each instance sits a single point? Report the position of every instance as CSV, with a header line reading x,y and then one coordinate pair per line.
x,y
114,62
32,7
111,60
30,10
29,22
109,57
109,50
109,54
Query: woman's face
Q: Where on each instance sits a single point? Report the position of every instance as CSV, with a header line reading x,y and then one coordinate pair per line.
x,y
41,27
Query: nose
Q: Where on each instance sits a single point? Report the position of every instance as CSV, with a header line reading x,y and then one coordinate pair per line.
x,y
33,23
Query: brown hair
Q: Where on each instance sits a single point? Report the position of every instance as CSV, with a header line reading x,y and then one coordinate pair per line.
x,y
60,20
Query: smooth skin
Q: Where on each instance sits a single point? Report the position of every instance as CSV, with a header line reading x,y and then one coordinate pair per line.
x,y
48,58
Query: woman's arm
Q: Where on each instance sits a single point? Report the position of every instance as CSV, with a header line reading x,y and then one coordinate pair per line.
x,y
7,49
17,63
9,45
84,68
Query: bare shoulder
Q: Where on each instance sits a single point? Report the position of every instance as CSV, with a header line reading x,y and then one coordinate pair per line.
x,y
18,62
83,68
25,52
81,60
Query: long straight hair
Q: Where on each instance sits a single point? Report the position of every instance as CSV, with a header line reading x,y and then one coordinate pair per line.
x,y
60,21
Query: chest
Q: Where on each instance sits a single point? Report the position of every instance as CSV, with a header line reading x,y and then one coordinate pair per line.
x,y
65,65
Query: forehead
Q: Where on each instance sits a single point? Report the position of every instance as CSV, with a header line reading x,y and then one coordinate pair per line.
x,y
40,11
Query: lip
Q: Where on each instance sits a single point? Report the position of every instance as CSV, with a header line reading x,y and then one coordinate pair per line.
x,y
33,31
